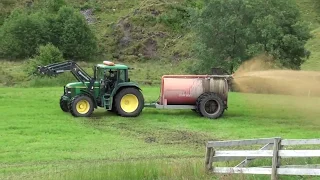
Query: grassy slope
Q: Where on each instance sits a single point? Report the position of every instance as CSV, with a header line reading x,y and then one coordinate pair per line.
x,y
34,142
313,45
171,56
140,22
175,43
310,10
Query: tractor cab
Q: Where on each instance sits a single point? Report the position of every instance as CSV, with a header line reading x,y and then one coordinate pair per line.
x,y
109,75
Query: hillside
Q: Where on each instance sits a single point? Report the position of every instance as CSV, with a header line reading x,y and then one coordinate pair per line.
x,y
134,30
310,10
149,33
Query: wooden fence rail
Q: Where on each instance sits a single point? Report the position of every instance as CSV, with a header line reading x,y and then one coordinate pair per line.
x,y
272,148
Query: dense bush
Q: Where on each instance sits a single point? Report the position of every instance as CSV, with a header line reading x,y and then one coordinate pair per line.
x,y
22,33
47,54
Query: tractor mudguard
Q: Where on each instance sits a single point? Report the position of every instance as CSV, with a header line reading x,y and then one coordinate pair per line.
x,y
122,85
91,96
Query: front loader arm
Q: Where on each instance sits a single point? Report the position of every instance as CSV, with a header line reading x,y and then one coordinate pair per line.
x,y
58,68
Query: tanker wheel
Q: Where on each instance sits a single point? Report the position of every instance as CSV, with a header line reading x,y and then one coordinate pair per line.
x,y
129,102
64,105
210,105
81,106
197,109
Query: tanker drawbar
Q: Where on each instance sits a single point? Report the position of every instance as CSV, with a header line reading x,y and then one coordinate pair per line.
x,y
205,94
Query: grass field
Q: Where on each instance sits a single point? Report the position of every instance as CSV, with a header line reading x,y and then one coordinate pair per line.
x,y
39,141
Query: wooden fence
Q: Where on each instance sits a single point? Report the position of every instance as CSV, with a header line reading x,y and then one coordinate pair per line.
x,y
272,148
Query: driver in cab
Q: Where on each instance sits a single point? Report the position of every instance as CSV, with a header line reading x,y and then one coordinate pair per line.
x,y
112,75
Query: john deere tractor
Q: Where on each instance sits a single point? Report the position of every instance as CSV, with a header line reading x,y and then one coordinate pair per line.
x,y
109,88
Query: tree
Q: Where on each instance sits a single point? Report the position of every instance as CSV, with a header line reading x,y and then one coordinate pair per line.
x,y
21,34
76,40
230,32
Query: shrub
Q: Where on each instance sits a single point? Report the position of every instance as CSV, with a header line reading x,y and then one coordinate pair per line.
x,y
47,54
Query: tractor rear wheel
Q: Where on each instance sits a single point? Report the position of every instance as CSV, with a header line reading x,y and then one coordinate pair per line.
x,y
210,105
81,106
129,102
113,110
64,105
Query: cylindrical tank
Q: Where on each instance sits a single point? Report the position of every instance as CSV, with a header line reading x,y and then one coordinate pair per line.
x,y
185,89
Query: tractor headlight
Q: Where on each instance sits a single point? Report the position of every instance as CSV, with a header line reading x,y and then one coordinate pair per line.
x,y
67,90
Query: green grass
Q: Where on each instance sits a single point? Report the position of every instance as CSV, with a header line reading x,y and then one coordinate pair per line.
x,y
38,140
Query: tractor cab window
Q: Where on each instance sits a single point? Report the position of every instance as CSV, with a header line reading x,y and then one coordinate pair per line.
x,y
122,75
101,74
114,75
106,74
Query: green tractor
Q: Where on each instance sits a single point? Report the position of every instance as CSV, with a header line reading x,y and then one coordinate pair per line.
x,y
109,88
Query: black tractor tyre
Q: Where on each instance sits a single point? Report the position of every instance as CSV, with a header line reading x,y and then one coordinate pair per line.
x,y
197,109
210,105
64,105
81,106
129,102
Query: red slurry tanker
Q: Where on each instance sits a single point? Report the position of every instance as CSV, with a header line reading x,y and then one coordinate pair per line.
x,y
205,94
110,88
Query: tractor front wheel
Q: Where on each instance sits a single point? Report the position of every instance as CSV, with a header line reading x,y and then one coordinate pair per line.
x,y
81,106
64,105
129,102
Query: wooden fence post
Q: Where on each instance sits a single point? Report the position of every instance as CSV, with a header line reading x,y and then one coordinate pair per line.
x,y
206,164
275,159
212,152
209,158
